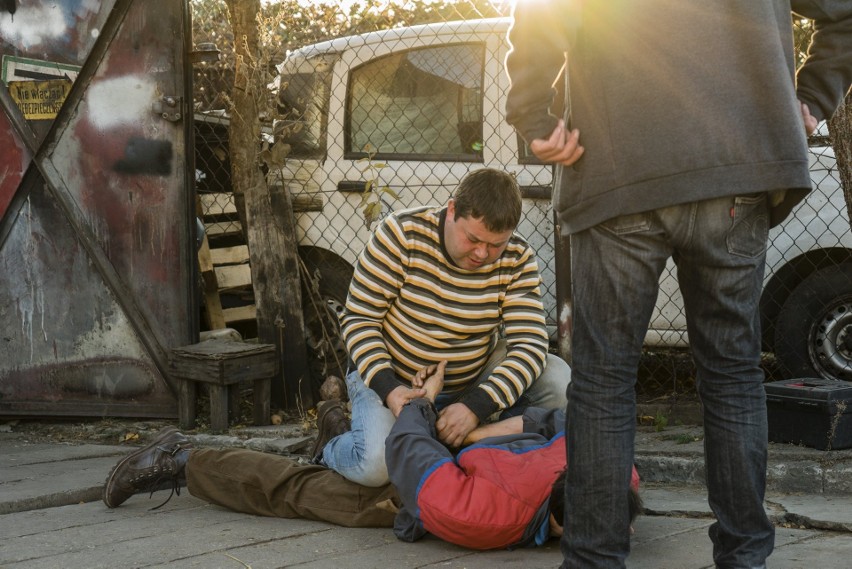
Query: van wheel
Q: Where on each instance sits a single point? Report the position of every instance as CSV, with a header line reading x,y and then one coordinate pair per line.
x,y
324,290
813,336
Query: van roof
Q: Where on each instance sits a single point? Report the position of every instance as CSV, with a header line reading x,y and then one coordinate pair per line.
x,y
439,28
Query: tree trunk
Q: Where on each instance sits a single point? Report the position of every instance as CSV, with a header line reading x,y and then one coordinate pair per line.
x,y
840,128
269,225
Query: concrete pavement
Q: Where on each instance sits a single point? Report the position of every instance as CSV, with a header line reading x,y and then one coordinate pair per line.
x,y
51,514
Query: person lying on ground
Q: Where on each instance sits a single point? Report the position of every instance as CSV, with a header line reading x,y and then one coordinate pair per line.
x,y
505,490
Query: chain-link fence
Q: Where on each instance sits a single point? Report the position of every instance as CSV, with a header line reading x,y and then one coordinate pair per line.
x,y
391,116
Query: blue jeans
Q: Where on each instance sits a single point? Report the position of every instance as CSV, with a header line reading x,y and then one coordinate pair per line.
x,y
719,247
359,454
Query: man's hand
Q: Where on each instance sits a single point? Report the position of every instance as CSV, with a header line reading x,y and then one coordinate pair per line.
x,y
808,119
562,147
454,423
424,374
401,395
431,379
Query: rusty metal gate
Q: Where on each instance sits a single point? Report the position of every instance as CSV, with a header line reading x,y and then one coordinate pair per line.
x,y
97,252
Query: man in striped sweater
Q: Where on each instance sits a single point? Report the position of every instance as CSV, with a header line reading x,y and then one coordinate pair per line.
x,y
452,286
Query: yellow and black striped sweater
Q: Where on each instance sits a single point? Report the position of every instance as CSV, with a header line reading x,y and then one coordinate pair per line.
x,y
409,306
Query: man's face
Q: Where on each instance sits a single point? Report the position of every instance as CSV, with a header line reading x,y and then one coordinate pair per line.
x,y
469,243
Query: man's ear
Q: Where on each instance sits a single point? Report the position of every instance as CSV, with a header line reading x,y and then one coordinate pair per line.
x,y
451,209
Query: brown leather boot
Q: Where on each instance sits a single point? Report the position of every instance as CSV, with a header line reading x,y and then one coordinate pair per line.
x,y
146,469
331,421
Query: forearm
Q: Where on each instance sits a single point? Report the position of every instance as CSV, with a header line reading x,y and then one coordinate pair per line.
x,y
412,449
367,349
539,44
510,426
362,323
824,78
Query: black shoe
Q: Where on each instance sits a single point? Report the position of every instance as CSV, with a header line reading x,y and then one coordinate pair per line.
x,y
331,421
146,469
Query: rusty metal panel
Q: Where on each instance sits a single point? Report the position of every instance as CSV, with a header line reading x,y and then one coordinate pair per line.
x,y
96,256
14,161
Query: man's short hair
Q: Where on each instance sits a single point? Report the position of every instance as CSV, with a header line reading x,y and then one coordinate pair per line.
x,y
557,500
490,195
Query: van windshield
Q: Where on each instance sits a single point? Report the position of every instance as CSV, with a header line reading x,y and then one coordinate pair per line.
x,y
303,101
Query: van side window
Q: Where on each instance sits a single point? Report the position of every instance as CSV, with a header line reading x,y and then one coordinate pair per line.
x,y
303,101
423,104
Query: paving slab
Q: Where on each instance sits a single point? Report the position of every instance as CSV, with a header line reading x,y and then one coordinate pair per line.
x,y
187,532
51,516
676,454
38,475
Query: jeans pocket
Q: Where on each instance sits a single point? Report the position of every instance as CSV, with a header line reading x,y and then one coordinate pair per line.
x,y
630,223
749,232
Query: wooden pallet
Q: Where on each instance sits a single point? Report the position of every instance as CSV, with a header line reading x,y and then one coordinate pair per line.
x,y
224,269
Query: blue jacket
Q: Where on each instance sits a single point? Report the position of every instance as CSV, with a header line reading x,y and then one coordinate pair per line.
x,y
492,495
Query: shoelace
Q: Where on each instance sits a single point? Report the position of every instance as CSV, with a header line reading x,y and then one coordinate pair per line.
x,y
175,490
172,477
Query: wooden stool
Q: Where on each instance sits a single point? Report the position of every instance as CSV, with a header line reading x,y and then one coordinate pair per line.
x,y
223,365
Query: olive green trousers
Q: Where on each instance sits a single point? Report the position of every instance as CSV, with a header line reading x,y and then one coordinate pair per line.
x,y
272,485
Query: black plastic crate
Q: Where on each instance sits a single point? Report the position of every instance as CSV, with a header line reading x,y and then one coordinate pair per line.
x,y
812,412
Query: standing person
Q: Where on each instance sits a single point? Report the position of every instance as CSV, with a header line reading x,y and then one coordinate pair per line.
x,y
456,284
682,137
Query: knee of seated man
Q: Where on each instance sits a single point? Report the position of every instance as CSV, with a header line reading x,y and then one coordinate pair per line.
x,y
375,475
375,470
549,389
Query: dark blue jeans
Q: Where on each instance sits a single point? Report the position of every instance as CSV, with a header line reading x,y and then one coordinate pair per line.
x,y
719,247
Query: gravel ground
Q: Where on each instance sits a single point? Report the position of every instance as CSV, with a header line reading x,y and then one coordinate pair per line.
x,y
123,431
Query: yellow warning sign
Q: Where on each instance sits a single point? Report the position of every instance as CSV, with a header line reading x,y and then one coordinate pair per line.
x,y
40,100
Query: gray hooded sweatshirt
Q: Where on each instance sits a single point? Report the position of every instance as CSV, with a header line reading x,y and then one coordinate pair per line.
x,y
676,101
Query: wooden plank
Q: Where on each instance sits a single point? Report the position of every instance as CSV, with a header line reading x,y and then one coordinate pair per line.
x,y
218,408
233,276
270,227
304,203
225,371
229,255
261,395
187,395
212,302
217,204
223,204
240,313
223,228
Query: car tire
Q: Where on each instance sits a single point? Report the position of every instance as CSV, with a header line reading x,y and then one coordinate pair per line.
x,y
321,309
813,335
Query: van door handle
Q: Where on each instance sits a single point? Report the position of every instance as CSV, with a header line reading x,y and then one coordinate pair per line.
x,y
349,186
536,192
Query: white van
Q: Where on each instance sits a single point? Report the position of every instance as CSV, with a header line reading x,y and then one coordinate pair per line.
x,y
417,108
